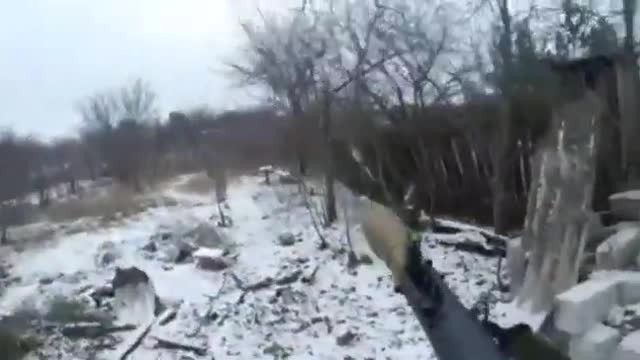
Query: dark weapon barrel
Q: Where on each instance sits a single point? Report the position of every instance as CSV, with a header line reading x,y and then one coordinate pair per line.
x,y
454,332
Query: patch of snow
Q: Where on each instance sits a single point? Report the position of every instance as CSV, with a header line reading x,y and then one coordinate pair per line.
x,y
210,253
303,319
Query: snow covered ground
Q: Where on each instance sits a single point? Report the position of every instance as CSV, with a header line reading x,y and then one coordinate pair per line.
x,y
339,314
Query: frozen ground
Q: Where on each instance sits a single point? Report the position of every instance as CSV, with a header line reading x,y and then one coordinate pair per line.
x,y
340,314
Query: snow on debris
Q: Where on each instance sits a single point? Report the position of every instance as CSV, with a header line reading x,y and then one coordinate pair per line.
x,y
273,301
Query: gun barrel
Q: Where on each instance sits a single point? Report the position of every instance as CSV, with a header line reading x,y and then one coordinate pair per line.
x,y
454,333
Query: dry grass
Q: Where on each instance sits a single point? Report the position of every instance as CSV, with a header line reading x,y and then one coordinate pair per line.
x,y
116,203
197,184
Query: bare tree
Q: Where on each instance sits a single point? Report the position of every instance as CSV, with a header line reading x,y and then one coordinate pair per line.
x,y
630,88
68,155
15,164
117,127
629,8
131,147
279,56
137,100
402,52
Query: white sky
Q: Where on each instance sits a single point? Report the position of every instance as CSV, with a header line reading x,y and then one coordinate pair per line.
x,y
55,52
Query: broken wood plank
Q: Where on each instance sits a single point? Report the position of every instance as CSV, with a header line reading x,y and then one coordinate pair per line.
x,y
137,340
142,332
442,227
475,248
92,330
290,278
168,316
173,345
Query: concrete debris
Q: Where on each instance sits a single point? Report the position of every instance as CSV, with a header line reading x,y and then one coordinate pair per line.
x,y
598,343
620,250
583,306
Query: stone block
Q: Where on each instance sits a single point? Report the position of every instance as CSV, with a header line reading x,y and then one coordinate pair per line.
x,y
620,250
583,306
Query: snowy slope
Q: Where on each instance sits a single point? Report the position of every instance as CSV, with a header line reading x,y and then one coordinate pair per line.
x,y
341,314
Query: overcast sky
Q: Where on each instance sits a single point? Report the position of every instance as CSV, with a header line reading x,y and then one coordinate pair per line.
x,y
55,52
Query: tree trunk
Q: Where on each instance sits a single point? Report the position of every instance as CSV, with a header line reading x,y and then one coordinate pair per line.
x,y
296,110
90,167
329,179
501,181
73,189
5,238
628,90
629,13
506,45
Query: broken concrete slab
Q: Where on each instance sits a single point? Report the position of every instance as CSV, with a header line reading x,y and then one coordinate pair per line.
x,y
628,283
599,343
629,348
135,299
583,306
620,250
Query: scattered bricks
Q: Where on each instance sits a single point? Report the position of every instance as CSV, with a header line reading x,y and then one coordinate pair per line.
x,y
599,343
583,306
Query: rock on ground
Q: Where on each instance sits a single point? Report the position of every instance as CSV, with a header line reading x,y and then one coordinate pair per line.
x,y
286,239
599,343
206,235
135,296
107,254
178,252
210,259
